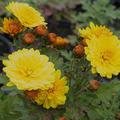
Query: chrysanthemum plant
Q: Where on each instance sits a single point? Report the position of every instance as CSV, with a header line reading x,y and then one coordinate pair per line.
x,y
48,77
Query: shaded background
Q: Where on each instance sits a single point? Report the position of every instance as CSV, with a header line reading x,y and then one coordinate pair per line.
x,y
69,14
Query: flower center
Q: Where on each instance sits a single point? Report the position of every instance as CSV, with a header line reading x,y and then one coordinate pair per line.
x,y
28,72
14,28
107,55
51,90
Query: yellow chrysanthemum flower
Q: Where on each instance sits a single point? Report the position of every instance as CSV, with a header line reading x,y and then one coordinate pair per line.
x,y
11,26
29,70
104,55
28,16
53,96
94,31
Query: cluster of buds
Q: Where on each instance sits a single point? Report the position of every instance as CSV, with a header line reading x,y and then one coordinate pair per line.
x,y
57,40
43,31
29,38
13,27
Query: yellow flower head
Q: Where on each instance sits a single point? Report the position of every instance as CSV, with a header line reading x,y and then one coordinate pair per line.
x,y
28,16
53,96
29,70
94,31
104,55
11,26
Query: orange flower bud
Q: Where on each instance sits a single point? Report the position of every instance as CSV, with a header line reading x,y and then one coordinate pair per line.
x,y
63,118
61,41
57,40
79,50
29,38
94,84
52,37
31,94
41,30
83,42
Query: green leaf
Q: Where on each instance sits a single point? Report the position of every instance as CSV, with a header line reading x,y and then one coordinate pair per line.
x,y
3,79
106,91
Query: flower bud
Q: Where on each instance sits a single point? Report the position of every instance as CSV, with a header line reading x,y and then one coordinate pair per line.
x,y
52,37
94,84
29,38
31,94
79,50
118,116
41,30
61,41
63,118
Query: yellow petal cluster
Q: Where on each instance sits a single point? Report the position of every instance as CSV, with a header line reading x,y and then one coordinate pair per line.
x,y
94,31
104,55
54,96
11,26
29,70
28,16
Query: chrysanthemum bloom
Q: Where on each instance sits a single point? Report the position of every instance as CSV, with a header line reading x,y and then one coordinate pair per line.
x,y
11,26
53,96
94,31
28,16
104,55
29,70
